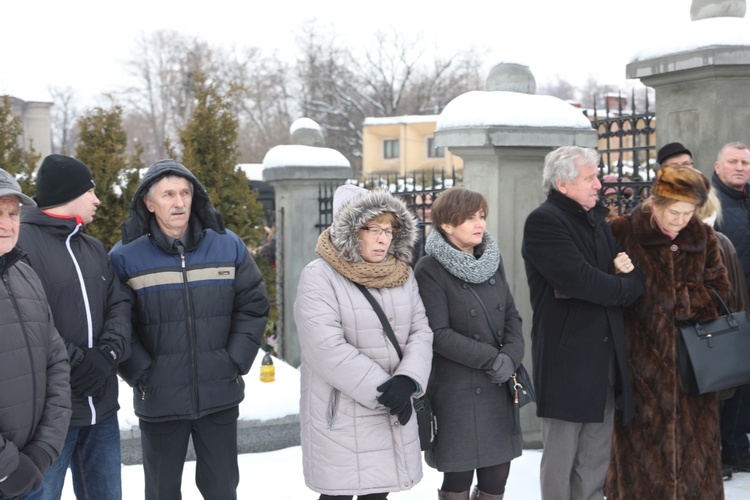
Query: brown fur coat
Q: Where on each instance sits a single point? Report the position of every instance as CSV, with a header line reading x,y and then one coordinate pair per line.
x,y
671,449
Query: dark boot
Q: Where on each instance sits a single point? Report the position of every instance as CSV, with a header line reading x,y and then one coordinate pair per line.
x,y
480,495
452,495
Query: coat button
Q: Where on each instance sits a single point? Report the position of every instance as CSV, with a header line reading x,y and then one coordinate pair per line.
x,y
492,281
473,312
674,248
406,485
478,390
477,337
606,339
390,320
464,286
500,307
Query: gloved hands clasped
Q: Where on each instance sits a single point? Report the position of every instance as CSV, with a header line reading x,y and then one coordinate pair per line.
x,y
502,369
90,376
397,394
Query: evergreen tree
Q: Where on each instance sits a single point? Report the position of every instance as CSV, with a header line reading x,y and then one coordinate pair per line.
x,y
209,145
101,145
14,159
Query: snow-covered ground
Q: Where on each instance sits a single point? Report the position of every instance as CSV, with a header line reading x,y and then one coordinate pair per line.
x,y
278,474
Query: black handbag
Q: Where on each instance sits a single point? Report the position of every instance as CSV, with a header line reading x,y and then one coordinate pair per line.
x,y
715,355
519,386
426,419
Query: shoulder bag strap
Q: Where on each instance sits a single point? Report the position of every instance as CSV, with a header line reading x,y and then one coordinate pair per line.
x,y
495,332
381,315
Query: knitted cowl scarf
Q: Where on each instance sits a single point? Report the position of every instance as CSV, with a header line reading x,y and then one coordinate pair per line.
x,y
339,244
463,265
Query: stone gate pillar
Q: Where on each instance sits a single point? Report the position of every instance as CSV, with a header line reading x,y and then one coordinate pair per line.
x,y
503,135
296,172
703,93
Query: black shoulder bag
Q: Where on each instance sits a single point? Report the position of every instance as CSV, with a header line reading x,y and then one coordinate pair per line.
x,y
715,355
520,386
426,420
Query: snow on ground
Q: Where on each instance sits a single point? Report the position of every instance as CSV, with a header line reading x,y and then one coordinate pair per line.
x,y
278,474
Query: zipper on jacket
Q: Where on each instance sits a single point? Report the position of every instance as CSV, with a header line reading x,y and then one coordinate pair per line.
x,y
87,307
28,350
333,404
190,327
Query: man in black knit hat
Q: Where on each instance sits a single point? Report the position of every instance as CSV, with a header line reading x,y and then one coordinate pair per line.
x,y
92,311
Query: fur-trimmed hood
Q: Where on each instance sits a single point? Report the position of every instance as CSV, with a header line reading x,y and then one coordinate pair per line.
x,y
356,211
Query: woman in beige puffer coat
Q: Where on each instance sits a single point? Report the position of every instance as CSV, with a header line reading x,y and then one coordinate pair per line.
x,y
359,435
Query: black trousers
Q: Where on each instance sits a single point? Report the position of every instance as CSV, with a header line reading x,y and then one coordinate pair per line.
x,y
165,445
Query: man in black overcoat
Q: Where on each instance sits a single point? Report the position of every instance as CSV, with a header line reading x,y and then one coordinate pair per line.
x,y
578,285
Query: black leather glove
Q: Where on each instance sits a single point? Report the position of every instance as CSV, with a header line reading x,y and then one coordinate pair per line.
x,y
25,478
90,376
502,369
41,458
397,394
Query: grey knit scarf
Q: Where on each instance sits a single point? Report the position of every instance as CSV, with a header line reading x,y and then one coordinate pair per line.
x,y
462,265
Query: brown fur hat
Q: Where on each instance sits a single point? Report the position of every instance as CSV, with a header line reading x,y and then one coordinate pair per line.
x,y
681,184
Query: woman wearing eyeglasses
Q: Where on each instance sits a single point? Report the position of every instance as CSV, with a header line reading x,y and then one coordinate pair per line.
x,y
462,283
359,435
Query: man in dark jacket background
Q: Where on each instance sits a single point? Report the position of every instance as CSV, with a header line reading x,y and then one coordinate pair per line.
x,y
92,311
578,285
35,395
201,308
730,181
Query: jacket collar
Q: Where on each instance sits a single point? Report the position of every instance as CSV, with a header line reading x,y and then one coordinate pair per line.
x,y
732,193
58,226
592,217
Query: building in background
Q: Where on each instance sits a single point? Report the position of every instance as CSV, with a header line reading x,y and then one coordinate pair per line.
x,y
37,124
403,145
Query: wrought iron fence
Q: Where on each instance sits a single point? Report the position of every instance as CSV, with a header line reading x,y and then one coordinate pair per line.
x,y
627,145
417,190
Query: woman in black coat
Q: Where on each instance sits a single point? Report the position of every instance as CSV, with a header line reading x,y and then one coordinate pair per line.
x,y
462,282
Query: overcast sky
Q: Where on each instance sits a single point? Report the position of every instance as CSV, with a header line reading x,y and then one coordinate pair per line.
x,y
84,44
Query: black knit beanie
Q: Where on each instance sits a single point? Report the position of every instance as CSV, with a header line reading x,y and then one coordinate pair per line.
x,y
61,179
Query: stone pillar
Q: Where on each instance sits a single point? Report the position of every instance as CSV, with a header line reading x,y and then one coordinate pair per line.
x,y
503,135
296,172
701,94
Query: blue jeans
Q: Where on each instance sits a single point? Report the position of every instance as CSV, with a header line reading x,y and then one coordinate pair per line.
x,y
93,454
735,425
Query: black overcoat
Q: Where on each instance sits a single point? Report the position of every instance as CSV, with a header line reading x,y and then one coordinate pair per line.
x,y
577,300
475,419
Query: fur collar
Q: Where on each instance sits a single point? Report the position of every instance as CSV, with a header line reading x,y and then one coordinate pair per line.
x,y
358,211
692,238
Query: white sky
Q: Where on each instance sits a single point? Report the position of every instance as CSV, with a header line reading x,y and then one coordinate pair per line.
x,y
84,44
278,474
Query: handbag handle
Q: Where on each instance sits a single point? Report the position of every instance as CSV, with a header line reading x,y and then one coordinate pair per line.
x,y
381,315
724,306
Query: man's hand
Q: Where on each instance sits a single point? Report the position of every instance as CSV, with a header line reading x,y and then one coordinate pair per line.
x,y
90,376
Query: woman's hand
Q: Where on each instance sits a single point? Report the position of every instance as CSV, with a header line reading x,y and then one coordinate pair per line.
x,y
397,393
623,264
502,369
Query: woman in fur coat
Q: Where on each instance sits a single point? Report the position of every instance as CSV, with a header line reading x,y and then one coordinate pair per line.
x,y
359,435
671,449
462,283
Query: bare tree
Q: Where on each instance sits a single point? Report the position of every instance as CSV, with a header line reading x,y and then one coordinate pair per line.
x,y
161,100
64,119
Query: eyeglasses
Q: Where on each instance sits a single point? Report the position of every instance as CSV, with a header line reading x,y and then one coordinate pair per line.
x,y
684,164
376,231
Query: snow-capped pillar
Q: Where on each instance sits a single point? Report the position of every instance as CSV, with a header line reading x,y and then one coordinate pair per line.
x,y
296,172
503,135
700,72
